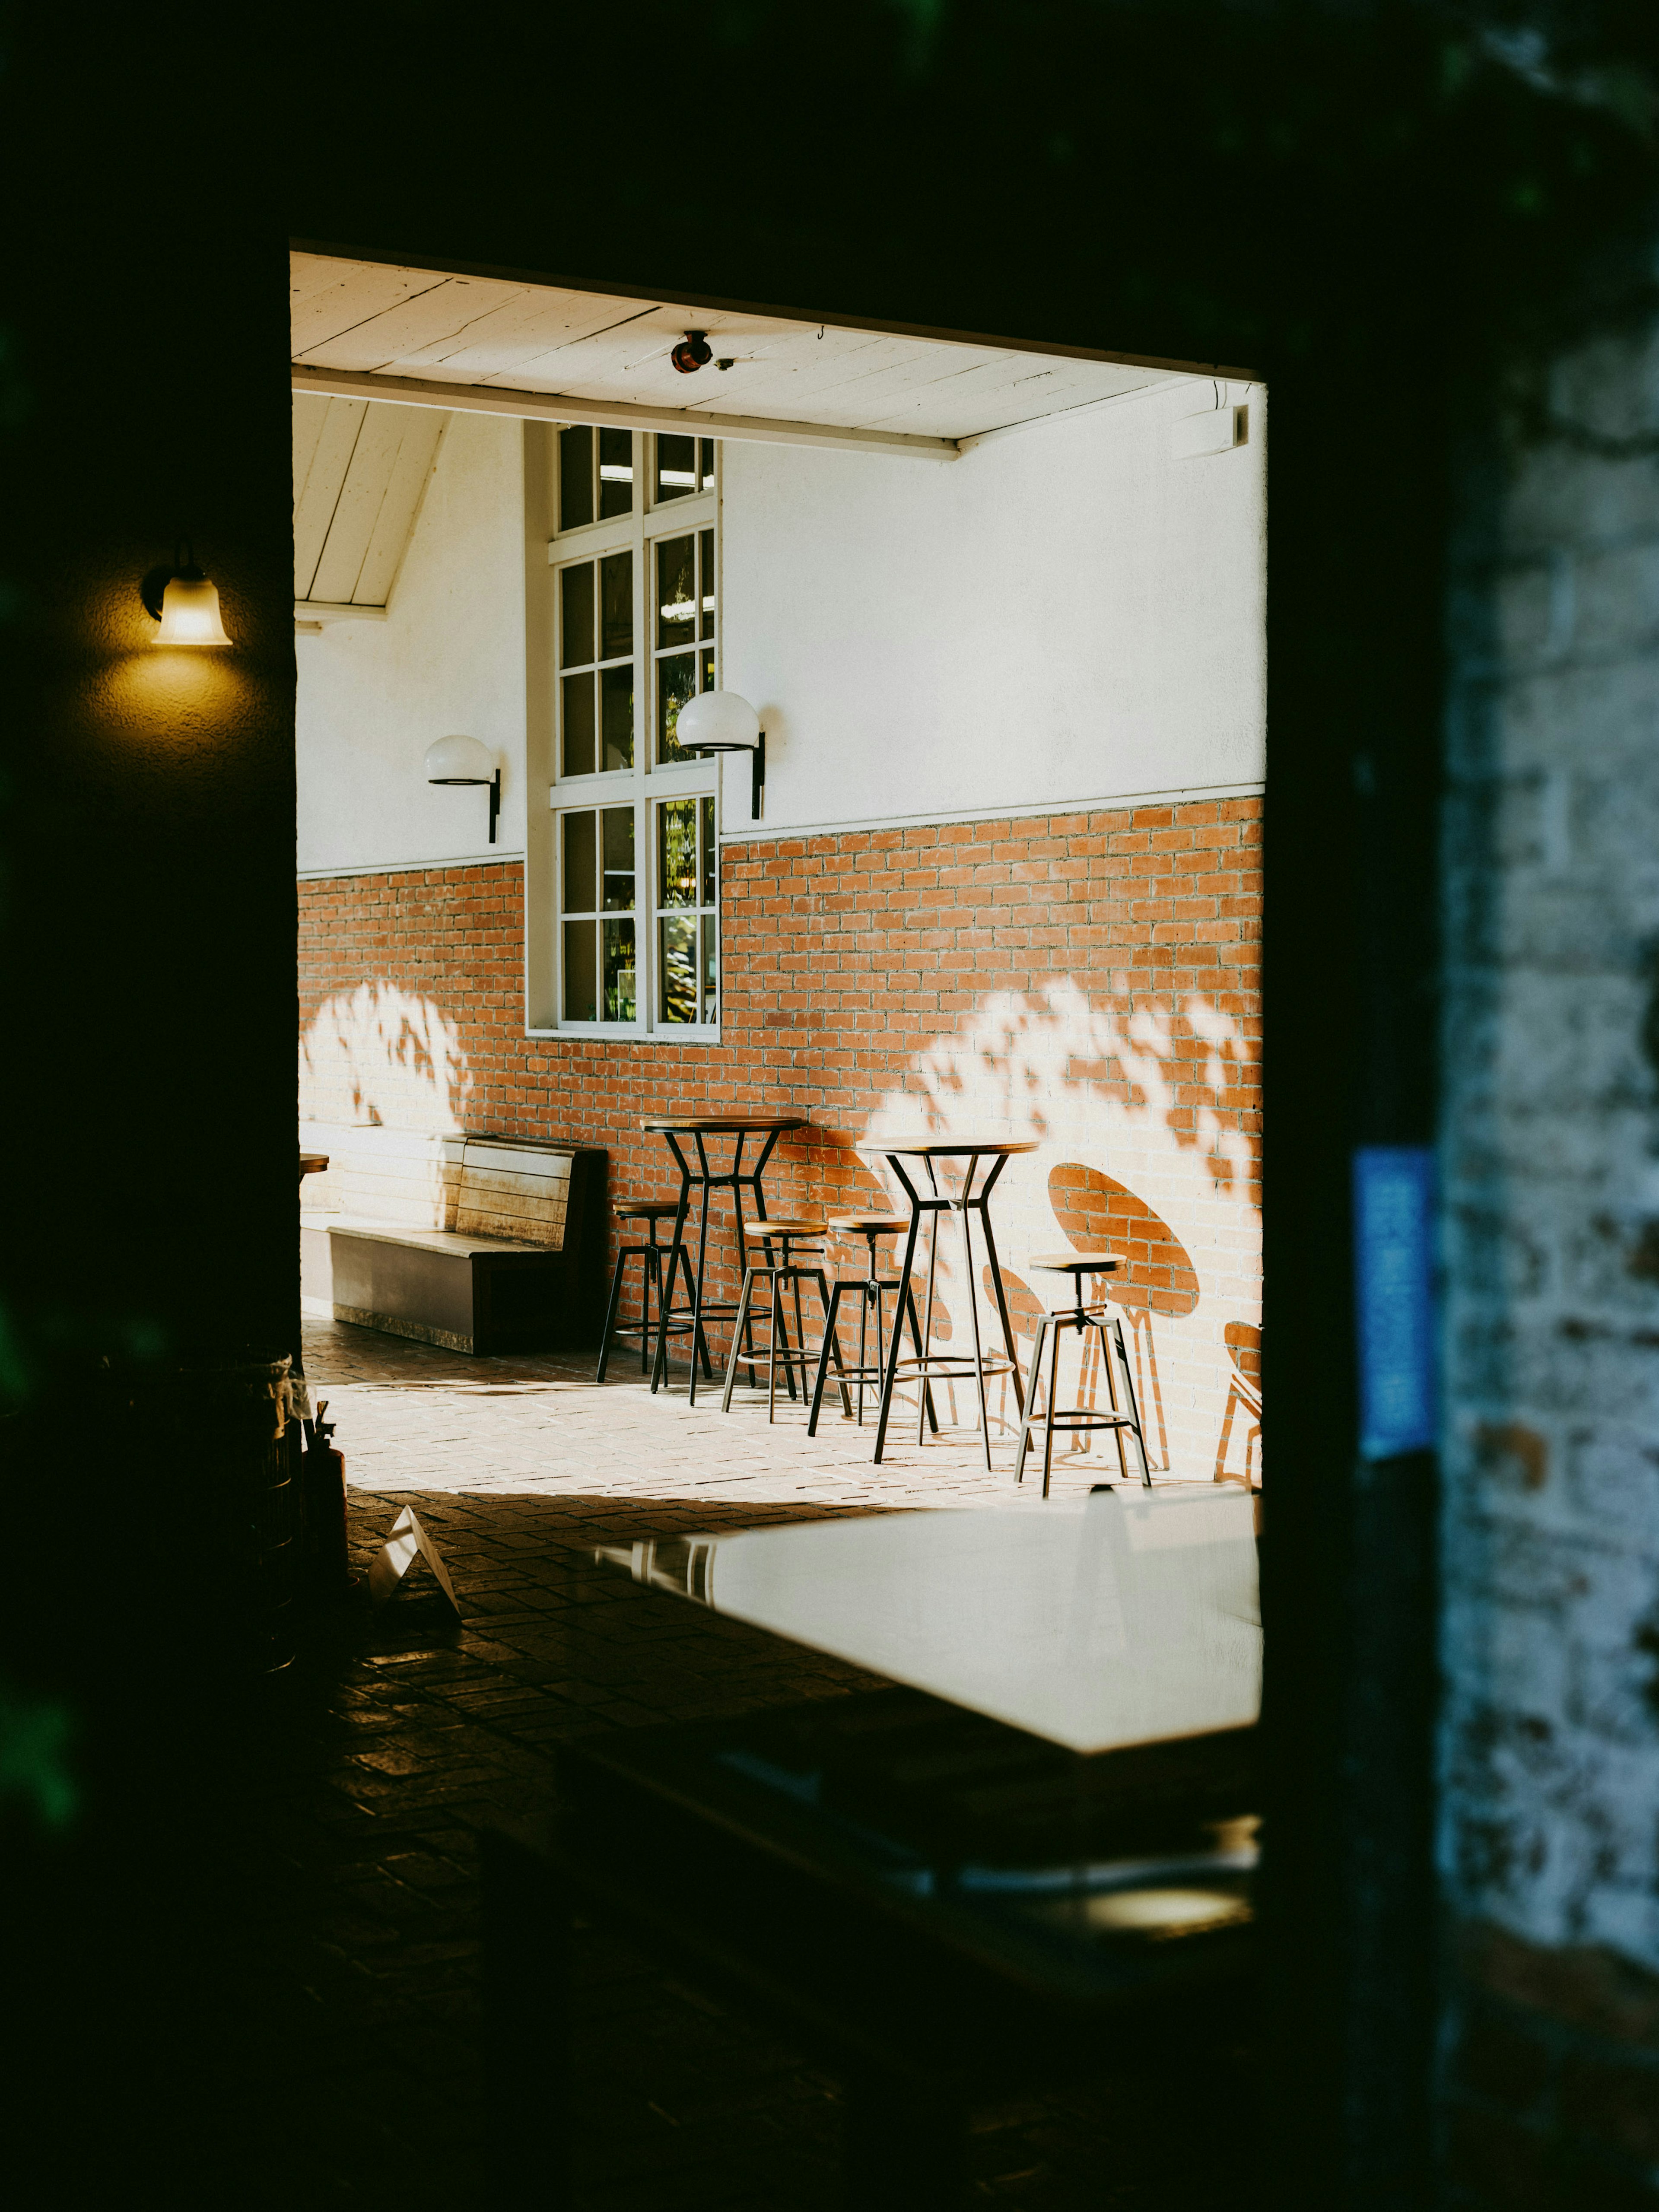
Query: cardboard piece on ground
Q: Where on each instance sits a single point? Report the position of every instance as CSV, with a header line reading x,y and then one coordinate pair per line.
x,y
406,1540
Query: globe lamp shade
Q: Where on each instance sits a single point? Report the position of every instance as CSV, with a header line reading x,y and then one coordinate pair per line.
x,y
717,722
460,760
189,612
464,760
725,722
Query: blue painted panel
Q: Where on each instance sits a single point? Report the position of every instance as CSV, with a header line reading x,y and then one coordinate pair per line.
x,y
1394,1301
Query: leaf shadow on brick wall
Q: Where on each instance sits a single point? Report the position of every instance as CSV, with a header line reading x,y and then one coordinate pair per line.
x,y
380,1054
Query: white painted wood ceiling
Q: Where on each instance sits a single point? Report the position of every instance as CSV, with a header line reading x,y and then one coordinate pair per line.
x,y
485,340
361,471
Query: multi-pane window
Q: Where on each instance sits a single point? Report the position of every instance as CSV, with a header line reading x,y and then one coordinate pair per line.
x,y
685,629
597,881
635,584
688,965
596,475
596,665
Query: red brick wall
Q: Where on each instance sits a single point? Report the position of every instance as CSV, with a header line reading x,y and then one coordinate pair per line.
x,y
1090,979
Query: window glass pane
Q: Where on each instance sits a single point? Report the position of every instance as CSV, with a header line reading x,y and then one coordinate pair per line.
x,y
706,657
677,676
708,807
706,538
578,695
576,478
677,852
710,971
580,999
616,472
618,829
618,982
677,937
579,879
706,463
677,591
576,589
617,714
677,467
617,604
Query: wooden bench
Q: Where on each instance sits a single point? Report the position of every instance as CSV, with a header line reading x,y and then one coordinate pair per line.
x,y
478,1243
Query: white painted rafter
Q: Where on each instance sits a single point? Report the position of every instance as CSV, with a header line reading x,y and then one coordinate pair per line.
x,y
613,414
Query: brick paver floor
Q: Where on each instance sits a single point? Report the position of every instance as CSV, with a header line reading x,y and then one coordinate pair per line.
x,y
338,1865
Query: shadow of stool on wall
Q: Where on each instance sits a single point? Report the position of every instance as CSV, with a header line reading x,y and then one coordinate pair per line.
x,y
1243,1396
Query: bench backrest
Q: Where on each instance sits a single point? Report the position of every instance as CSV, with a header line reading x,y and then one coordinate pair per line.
x,y
411,1179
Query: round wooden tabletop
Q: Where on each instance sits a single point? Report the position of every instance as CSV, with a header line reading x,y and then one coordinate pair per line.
x,y
985,1148
312,1164
718,1125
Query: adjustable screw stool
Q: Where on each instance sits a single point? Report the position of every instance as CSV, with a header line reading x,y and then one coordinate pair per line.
x,y
779,1263
1096,1315
651,1256
869,1290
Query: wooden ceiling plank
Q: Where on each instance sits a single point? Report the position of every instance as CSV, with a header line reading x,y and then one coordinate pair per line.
x,y
308,412
498,342
422,430
358,298
382,340
361,496
315,500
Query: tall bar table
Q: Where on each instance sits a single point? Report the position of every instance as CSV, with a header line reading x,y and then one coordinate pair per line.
x,y
698,1128
965,1200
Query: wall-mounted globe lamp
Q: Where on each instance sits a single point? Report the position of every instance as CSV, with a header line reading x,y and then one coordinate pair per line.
x,y
725,722
464,760
184,602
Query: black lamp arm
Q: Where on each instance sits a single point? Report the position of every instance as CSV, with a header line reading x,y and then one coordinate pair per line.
x,y
495,802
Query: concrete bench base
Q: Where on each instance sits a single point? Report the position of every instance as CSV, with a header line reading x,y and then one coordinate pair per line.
x,y
443,1286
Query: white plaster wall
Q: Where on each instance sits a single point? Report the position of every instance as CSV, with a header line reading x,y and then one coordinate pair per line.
x,y
449,658
1066,614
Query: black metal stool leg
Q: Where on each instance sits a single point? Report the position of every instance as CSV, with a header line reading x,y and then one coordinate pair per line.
x,y
971,1294
651,1267
690,1293
915,1338
777,1329
610,1313
1048,1410
738,1319
836,1290
1134,1409
1028,1419
829,1339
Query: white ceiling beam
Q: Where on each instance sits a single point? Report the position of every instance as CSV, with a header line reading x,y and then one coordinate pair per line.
x,y
613,414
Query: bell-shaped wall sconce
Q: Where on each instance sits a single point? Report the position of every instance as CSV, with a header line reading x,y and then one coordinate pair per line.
x,y
184,602
464,760
725,722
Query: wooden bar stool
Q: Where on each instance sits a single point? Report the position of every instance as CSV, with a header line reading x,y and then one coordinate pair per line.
x,y
1080,1317
869,1290
777,1257
650,1256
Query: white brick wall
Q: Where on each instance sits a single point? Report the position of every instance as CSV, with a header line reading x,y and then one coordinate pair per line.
x,y
1551,1165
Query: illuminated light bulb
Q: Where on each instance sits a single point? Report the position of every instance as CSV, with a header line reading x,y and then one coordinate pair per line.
x,y
189,612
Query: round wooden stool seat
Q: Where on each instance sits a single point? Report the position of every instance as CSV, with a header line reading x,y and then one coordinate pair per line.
x,y
791,1225
1077,1263
870,1224
645,1209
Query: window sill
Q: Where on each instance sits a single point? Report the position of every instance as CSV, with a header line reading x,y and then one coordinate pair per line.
x,y
620,1033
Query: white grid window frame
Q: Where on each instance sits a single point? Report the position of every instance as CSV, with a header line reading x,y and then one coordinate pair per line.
x,y
590,779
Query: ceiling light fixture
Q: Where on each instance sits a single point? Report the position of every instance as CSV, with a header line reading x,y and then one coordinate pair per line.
x,y
691,353
184,602
725,722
